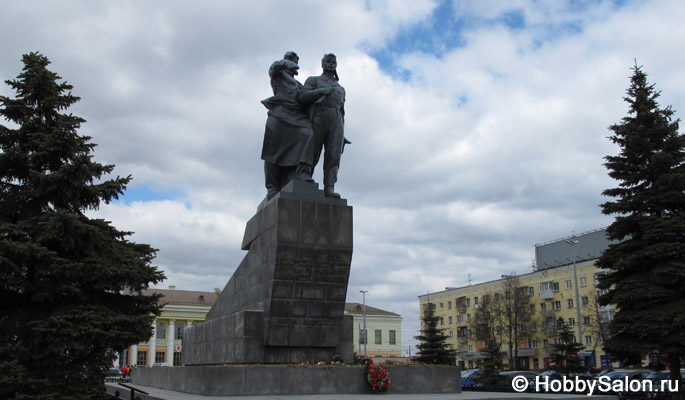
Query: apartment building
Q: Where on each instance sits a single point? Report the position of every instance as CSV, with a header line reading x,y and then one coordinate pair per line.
x,y
382,337
563,285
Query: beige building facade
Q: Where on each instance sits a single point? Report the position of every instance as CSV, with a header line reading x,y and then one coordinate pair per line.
x,y
383,331
567,291
182,308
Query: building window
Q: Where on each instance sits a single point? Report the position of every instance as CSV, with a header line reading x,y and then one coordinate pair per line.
x,y
179,330
470,347
588,339
531,290
547,286
442,321
568,284
586,321
569,302
177,359
571,322
486,298
556,305
142,358
468,317
543,306
441,306
532,308
586,301
161,330
596,279
449,305
159,357
496,297
468,302
460,318
450,320
451,334
393,337
379,336
475,300
362,336
583,281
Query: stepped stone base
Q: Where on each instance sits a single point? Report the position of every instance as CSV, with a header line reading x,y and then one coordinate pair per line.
x,y
285,301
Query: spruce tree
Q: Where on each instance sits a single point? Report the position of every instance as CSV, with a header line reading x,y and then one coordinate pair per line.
x,y
70,285
433,346
565,357
646,269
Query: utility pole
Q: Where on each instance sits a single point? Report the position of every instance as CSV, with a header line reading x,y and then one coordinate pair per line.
x,y
573,244
366,335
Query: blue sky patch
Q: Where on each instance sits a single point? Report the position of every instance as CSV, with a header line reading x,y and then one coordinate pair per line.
x,y
147,193
439,35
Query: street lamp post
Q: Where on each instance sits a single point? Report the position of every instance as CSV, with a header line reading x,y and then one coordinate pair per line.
x,y
573,244
366,335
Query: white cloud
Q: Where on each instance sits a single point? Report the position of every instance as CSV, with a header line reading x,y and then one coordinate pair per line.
x,y
489,146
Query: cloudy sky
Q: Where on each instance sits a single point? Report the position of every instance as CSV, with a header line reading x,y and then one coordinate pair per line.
x,y
479,127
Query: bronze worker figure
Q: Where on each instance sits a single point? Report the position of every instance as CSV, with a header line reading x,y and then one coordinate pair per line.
x,y
288,148
327,114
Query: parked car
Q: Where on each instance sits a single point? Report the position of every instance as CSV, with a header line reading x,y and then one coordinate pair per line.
x,y
657,377
546,378
113,375
621,376
468,378
631,374
604,372
527,374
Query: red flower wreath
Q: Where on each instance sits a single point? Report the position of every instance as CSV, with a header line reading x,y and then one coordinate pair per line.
x,y
377,376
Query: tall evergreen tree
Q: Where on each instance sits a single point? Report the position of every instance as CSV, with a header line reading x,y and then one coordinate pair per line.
x,y
646,270
70,285
565,356
433,346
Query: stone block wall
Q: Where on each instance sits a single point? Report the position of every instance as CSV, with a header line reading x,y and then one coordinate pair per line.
x,y
293,281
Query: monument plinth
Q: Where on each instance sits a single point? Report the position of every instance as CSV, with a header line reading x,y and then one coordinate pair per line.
x,y
285,301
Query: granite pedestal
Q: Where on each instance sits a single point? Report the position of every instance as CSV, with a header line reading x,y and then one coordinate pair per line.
x,y
285,301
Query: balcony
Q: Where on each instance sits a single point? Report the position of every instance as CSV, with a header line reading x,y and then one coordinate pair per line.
x,y
548,314
461,308
547,294
550,330
462,339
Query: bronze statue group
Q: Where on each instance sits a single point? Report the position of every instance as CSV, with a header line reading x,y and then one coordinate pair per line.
x,y
303,121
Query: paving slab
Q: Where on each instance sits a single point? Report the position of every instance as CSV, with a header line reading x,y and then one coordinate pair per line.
x,y
161,394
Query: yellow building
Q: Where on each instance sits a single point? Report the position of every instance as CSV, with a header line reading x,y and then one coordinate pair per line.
x,y
384,331
182,308
563,286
